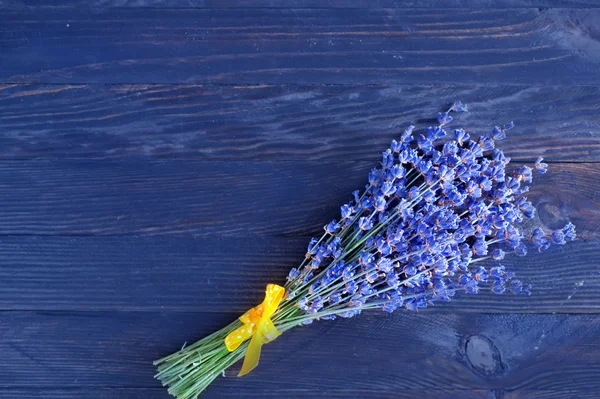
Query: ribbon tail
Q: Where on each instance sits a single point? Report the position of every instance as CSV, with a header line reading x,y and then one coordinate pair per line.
x,y
252,354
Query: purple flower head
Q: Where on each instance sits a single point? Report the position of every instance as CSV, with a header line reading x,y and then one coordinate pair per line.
x,y
569,231
498,254
346,211
468,283
498,133
429,212
459,107
413,156
435,132
539,239
367,259
332,227
558,237
486,143
383,247
540,166
424,166
461,136
524,174
481,275
397,172
498,287
410,270
516,286
389,307
293,274
336,297
499,157
371,276
387,159
350,287
380,204
365,223
311,245
484,183
407,137
525,206
347,273
521,249
444,118
425,143
450,148
498,272
467,157
388,188
476,149
375,177
367,204
480,247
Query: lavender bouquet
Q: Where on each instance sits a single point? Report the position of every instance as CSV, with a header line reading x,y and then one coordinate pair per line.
x,y
433,221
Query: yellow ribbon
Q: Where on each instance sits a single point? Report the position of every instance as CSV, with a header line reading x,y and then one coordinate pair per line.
x,y
258,325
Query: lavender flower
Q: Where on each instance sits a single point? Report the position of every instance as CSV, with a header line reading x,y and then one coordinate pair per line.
x,y
431,223
429,215
540,166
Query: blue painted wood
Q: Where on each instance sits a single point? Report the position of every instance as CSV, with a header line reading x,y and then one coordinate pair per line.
x,y
434,4
284,123
231,198
228,274
300,46
137,216
375,355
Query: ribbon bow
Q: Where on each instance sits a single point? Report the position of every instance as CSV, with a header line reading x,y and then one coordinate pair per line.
x,y
258,325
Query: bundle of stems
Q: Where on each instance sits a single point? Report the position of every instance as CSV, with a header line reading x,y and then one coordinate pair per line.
x,y
431,222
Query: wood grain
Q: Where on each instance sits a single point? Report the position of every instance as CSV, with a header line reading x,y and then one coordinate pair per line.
x,y
372,354
435,4
229,275
84,393
162,160
161,393
300,46
226,198
553,394
190,122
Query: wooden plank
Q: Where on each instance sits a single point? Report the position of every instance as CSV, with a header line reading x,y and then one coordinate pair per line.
x,y
84,393
267,392
333,123
219,274
470,4
581,393
160,393
297,46
377,355
233,198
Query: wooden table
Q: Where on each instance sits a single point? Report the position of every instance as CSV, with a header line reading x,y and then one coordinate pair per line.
x,y
161,161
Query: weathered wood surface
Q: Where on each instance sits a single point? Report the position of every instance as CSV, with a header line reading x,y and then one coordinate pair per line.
x,y
328,123
161,161
434,4
407,353
229,274
230,198
313,46
159,393
149,393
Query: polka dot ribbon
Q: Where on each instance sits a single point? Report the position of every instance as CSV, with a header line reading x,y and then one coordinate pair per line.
x,y
258,325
